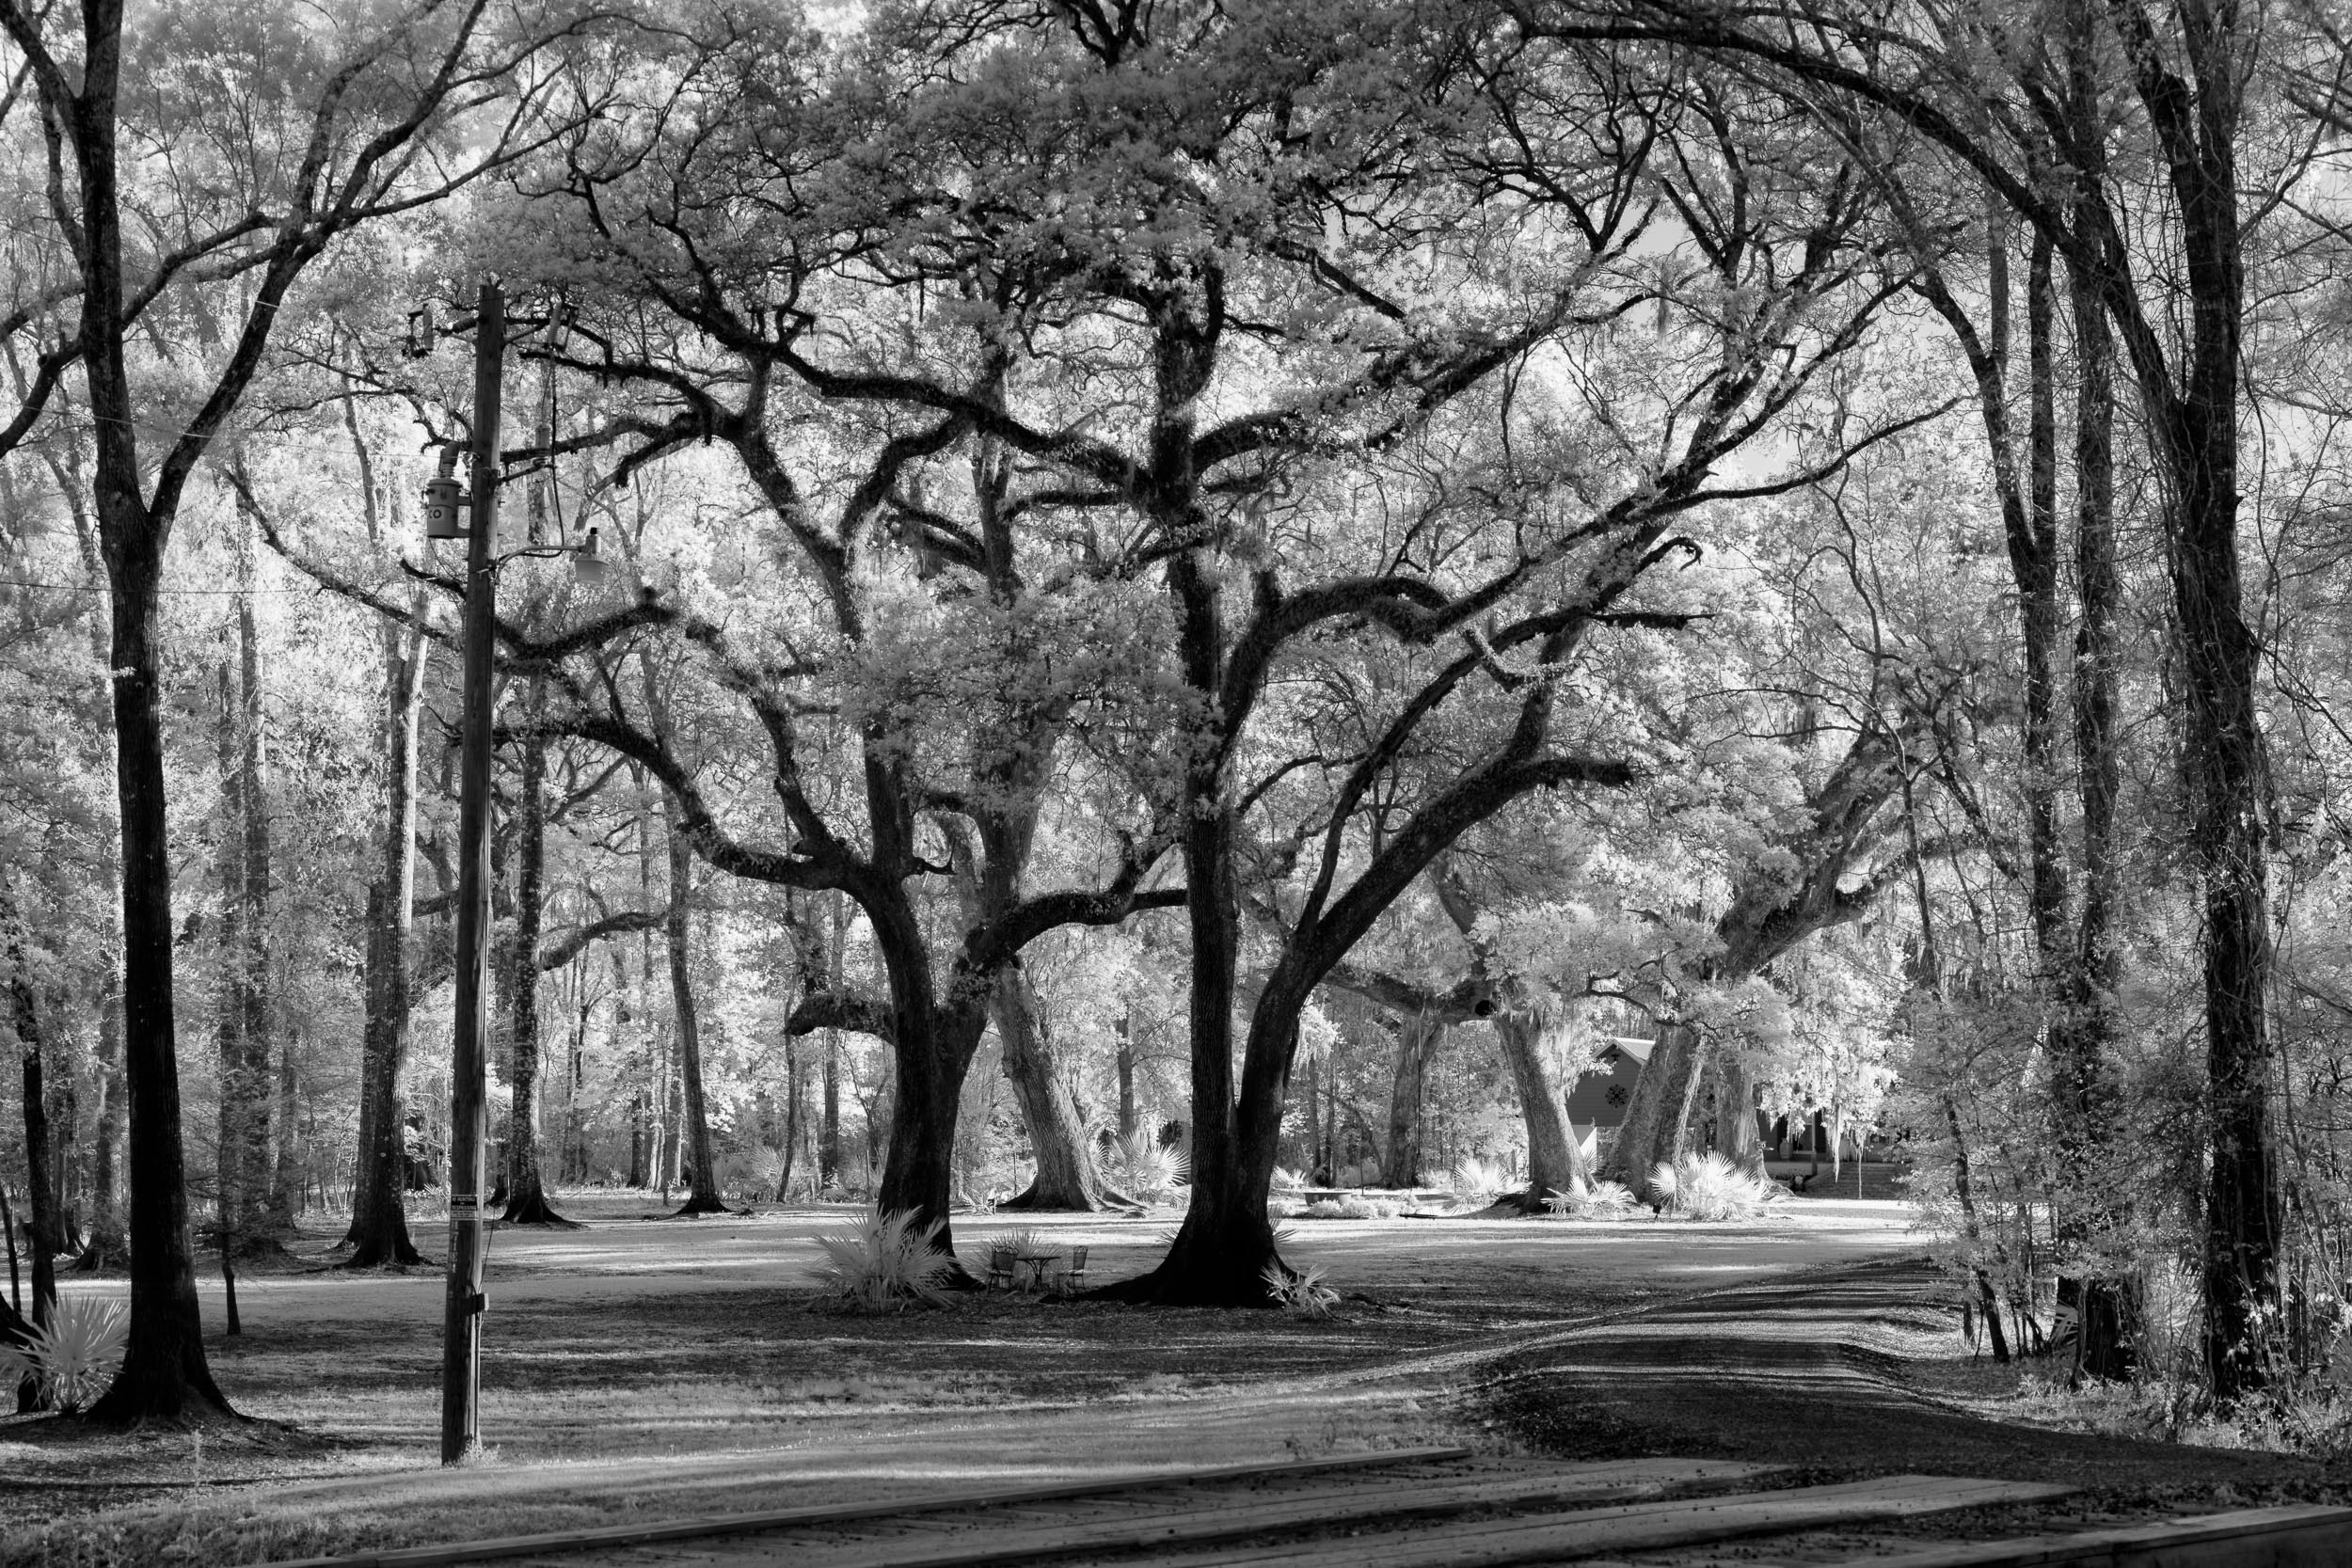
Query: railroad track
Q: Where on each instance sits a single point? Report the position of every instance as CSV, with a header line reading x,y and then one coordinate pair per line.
x,y
1438,1508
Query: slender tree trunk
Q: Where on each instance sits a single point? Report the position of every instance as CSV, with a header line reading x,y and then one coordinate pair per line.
x,y
655,1119
791,1115
1066,1177
2221,661
164,1375
703,1196
2105,1306
379,1217
65,1131
1127,1074
669,1123
1310,1100
576,1081
107,1243
12,1323
1418,1038
828,1135
290,1176
2034,558
1991,1303
829,1141
526,1189
242,1168
43,1224
637,1139
2078,966
260,1225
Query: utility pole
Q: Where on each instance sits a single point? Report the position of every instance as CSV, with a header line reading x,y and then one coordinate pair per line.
x,y
469,1117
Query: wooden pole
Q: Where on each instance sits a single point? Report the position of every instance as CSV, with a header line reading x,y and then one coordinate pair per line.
x,y
461,1328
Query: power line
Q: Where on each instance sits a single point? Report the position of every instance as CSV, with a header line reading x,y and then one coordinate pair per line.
x,y
184,592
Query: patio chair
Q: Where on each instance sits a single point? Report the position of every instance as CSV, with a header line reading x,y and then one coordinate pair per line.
x,y
1000,1265
1074,1276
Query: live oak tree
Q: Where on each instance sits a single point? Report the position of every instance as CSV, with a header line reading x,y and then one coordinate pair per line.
x,y
1169,296
725,370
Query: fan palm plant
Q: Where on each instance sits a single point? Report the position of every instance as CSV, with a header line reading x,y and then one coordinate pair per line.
x,y
884,1263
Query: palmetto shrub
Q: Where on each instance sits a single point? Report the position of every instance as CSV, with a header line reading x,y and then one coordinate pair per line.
x,y
1707,1186
73,1356
884,1263
1145,1168
1300,1291
1475,1180
1592,1200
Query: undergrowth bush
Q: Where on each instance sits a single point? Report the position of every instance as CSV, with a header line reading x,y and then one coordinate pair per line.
x,y
72,1358
884,1263
1300,1289
1476,1181
1147,1169
1592,1200
1707,1186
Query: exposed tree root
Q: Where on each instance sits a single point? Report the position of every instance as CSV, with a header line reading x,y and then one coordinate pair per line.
x,y
165,1397
398,1253
1524,1204
1163,1287
100,1254
531,1207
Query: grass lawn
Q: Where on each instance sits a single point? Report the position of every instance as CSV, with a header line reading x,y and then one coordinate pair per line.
x,y
647,1364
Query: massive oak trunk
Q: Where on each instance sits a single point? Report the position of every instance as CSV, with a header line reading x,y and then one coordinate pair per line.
x,y
1737,1138
1066,1177
1556,1161
1226,1242
1655,1130
1417,1039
